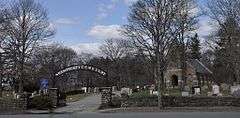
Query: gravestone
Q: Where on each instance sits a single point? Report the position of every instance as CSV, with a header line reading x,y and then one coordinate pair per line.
x,y
151,91
185,93
235,88
114,88
155,92
186,88
127,91
197,91
215,90
84,89
96,90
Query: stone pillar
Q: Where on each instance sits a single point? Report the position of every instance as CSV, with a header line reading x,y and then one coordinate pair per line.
x,y
106,96
53,94
1,91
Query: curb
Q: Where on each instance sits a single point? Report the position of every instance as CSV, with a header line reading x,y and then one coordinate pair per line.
x,y
171,109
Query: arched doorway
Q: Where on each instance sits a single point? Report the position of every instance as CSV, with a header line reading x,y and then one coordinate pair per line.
x,y
174,80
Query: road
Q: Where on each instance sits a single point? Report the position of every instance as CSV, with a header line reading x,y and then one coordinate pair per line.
x,y
134,115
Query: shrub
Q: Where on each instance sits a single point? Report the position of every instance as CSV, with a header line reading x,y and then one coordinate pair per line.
x,y
174,92
225,87
116,102
74,92
62,96
141,94
41,102
30,87
135,90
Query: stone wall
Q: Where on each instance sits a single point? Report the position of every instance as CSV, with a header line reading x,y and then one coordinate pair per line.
x,y
171,101
201,101
12,105
151,101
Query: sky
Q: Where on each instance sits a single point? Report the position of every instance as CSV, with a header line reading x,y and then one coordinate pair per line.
x,y
84,24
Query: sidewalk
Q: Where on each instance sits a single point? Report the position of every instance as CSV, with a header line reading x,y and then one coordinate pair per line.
x,y
172,109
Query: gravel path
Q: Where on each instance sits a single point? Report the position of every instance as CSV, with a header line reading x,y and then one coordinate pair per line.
x,y
88,104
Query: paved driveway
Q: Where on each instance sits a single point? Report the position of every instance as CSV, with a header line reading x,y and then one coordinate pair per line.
x,y
88,104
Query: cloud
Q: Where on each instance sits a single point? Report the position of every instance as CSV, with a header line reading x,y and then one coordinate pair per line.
x,y
205,27
105,31
129,2
104,10
67,21
91,48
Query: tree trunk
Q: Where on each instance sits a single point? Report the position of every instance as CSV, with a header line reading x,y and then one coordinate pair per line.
x,y
159,76
1,85
160,90
21,78
1,74
237,74
20,86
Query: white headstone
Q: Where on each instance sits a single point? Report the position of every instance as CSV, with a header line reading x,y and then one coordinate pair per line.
x,y
155,92
185,94
17,96
96,90
215,89
151,91
197,91
84,89
126,91
130,92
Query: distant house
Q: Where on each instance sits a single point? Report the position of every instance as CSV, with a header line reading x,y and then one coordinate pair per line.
x,y
197,74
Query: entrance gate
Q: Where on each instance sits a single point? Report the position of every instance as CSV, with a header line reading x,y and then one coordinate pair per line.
x,y
106,92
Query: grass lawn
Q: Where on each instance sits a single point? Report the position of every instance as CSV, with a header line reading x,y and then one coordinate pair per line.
x,y
173,92
141,94
76,97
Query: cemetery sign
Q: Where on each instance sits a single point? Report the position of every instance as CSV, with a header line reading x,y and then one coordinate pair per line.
x,y
81,67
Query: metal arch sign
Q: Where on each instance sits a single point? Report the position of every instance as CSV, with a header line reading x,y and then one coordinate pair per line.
x,y
81,67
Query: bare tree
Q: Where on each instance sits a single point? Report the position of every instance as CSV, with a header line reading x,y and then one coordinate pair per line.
x,y
116,48
153,25
186,22
47,60
28,26
2,37
85,57
226,14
